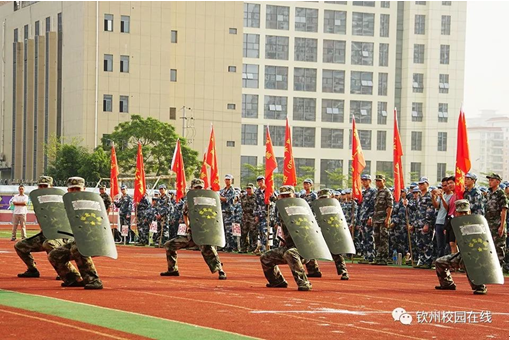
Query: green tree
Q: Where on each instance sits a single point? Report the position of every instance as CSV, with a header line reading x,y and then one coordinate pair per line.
x,y
158,141
96,165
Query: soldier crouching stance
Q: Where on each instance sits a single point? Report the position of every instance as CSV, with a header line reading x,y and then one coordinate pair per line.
x,y
208,252
287,254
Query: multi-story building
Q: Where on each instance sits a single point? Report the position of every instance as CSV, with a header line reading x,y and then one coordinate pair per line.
x,y
321,63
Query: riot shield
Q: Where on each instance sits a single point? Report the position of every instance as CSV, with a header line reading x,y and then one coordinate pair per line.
x,y
205,218
51,213
300,222
335,230
477,249
89,221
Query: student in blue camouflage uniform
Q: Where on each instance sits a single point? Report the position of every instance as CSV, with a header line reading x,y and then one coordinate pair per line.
x,y
495,212
413,214
261,214
237,216
227,195
367,210
173,225
398,233
125,205
474,195
381,219
350,209
164,209
178,218
142,220
249,231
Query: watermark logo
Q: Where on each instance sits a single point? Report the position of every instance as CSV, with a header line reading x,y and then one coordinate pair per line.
x,y
442,317
400,314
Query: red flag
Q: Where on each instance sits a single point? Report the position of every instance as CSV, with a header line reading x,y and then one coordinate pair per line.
x,y
270,166
203,173
139,176
178,168
114,173
398,172
358,164
463,163
289,168
212,161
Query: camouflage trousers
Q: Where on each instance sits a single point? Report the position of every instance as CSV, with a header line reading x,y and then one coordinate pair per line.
x,y
399,240
36,243
208,252
382,242
443,266
163,233
425,246
357,239
249,233
262,232
499,243
60,259
367,243
124,221
143,232
280,256
230,239
312,266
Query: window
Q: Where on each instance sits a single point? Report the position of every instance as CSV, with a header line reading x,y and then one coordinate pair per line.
x,y
276,77
362,112
251,15
365,139
37,28
232,30
231,106
275,107
332,138
124,63
415,172
108,22
417,112
245,171
364,3
173,75
368,163
441,171
305,79
249,134
362,53
231,143
330,169
446,3
417,83
419,53
277,17
442,141
382,113
277,136
251,45
108,63
333,51
172,115
277,47
419,24
124,23
335,21
304,109
303,136
250,76
420,3
304,167
232,68
444,57
361,82
384,167
444,83
363,24
333,81
442,112
385,4
381,141
307,19
124,104
336,2
384,30
305,49
332,110
445,25
48,24
416,141
107,103
250,106
383,54
382,88
25,32
173,36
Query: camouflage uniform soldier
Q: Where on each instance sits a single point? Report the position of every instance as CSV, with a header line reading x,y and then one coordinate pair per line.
x,y
365,212
495,213
350,209
142,220
37,243
381,219
312,267
125,206
398,233
237,216
413,220
164,209
227,195
208,252
178,217
60,257
474,195
454,261
425,221
107,200
287,254
248,227
261,213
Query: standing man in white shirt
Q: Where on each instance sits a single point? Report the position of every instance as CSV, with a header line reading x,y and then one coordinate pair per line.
x,y
19,216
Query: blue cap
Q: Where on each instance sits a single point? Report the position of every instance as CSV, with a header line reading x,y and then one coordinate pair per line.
x,y
347,191
260,178
338,193
229,176
123,187
432,188
162,186
502,186
365,177
473,176
414,184
416,190
423,180
308,180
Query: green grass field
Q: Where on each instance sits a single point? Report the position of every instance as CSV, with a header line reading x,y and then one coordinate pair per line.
x,y
6,233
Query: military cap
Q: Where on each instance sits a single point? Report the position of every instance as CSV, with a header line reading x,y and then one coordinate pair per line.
x,y
250,186
123,187
494,176
423,180
75,182
484,189
380,177
473,176
155,194
323,193
366,177
413,184
102,186
308,180
462,206
45,180
338,193
432,188
162,186
416,190
259,178
342,192
347,191
195,183
286,189
229,176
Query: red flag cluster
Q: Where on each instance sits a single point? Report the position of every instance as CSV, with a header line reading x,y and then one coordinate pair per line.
x,y
114,174
398,172
358,163
178,168
289,168
271,165
139,176
212,161
463,163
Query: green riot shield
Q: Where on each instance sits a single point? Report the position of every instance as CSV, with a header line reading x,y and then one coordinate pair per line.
x,y
301,224
89,221
335,230
205,218
51,213
477,249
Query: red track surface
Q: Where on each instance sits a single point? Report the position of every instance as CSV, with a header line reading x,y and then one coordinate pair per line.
x,y
242,304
